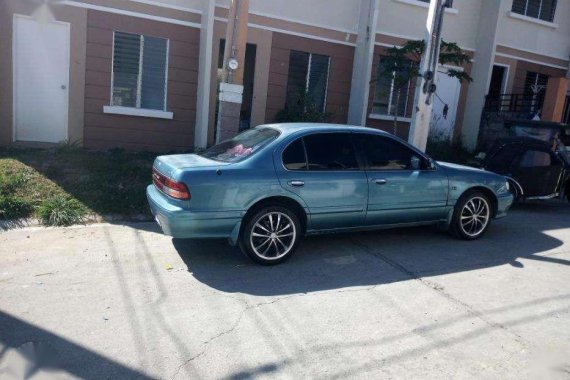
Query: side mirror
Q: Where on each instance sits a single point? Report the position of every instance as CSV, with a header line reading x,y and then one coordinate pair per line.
x,y
430,164
415,163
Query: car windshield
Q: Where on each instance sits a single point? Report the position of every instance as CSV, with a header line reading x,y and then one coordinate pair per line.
x,y
242,146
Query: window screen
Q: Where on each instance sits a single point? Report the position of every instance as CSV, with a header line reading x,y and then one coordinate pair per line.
x,y
330,151
139,71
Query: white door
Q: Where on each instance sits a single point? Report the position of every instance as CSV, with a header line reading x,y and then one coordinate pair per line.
x,y
444,106
41,80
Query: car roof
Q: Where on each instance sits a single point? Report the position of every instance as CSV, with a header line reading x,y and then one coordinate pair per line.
x,y
289,128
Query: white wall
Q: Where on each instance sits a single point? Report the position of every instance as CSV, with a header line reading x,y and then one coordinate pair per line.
x,y
408,19
334,14
183,4
541,39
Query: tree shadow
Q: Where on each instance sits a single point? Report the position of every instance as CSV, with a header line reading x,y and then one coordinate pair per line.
x,y
368,259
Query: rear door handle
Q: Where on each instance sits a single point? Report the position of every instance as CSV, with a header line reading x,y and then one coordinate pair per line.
x,y
296,183
380,181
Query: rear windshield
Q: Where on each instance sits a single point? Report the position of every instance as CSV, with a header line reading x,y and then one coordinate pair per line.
x,y
242,146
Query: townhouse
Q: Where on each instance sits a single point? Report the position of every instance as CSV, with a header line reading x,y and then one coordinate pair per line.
x,y
143,74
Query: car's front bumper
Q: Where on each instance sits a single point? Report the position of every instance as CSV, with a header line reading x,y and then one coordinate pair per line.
x,y
181,223
504,203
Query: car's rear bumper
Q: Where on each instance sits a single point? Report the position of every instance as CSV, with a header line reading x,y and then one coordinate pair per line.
x,y
181,223
504,203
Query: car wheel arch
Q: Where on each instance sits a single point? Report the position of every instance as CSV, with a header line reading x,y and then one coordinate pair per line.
x,y
517,187
280,200
489,193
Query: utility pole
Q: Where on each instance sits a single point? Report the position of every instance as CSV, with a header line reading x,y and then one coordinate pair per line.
x,y
426,85
231,88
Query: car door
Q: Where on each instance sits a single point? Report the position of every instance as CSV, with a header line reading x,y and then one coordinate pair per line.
x,y
403,185
322,169
538,170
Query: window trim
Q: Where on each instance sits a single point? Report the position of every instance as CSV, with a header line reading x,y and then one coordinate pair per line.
x,y
142,112
533,20
138,110
379,116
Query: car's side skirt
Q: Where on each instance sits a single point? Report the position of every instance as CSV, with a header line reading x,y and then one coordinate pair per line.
x,y
376,227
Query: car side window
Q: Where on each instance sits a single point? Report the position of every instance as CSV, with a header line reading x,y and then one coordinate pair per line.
x,y
383,153
330,151
502,161
536,158
294,157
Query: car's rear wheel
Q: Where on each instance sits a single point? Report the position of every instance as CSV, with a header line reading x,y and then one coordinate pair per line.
x,y
270,235
472,216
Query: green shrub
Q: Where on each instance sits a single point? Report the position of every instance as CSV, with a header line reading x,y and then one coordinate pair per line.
x,y
448,151
13,207
61,211
302,110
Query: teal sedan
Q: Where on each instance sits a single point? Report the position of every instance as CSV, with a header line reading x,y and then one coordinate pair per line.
x,y
269,186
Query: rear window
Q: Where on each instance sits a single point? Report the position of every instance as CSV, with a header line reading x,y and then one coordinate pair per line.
x,y
242,146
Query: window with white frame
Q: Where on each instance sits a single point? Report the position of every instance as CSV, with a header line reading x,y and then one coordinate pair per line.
x,y
308,74
140,65
392,92
448,5
540,9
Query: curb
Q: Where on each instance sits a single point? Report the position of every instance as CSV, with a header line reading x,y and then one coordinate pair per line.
x,y
6,225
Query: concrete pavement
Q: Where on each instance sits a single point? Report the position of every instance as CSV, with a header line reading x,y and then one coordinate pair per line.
x,y
127,302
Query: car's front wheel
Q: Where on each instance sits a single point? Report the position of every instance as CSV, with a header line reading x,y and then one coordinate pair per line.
x,y
270,235
472,216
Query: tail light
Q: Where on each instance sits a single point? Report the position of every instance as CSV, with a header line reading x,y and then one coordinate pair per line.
x,y
170,187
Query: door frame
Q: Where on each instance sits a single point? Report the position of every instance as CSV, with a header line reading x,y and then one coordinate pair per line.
x,y
506,73
15,68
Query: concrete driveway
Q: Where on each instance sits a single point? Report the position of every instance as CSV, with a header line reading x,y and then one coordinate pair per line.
x,y
127,302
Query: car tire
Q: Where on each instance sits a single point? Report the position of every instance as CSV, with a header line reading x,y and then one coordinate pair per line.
x,y
472,216
270,235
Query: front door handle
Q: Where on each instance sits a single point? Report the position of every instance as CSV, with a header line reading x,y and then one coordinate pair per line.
x,y
380,181
297,183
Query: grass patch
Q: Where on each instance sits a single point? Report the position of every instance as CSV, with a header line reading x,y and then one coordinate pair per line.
x,y
13,207
61,211
61,186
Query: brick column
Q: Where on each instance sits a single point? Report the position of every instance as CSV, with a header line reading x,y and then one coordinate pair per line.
x,y
554,99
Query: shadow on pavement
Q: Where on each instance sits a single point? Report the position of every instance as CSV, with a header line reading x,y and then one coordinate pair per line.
x,y
366,259
71,357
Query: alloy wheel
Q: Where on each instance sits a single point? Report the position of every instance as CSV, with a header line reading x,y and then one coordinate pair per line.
x,y
475,216
273,235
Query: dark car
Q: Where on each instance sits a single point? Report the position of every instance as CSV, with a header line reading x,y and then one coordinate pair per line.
x,y
536,169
